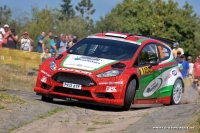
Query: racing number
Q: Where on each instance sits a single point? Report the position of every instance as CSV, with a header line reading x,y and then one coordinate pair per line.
x,y
145,70
161,52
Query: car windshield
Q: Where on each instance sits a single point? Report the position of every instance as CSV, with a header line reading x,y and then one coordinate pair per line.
x,y
105,48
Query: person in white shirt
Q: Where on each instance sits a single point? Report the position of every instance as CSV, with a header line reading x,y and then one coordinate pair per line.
x,y
26,42
191,65
2,32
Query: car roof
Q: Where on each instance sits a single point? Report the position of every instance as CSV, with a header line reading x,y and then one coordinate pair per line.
x,y
135,38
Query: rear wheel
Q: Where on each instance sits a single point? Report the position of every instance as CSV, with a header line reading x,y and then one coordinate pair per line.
x,y
177,92
130,93
46,99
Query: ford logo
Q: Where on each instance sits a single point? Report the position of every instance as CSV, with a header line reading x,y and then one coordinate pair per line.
x,y
174,72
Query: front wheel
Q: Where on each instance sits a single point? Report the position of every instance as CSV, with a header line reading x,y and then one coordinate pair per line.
x,y
177,92
129,95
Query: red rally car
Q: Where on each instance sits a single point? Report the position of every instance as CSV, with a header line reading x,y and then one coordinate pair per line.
x,y
116,69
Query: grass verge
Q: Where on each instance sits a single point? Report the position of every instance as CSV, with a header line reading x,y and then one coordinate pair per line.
x,y
16,78
5,98
102,123
195,124
48,114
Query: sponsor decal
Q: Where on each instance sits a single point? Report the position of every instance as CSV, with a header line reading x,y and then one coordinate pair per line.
x,y
74,70
145,70
169,76
152,87
111,89
110,83
174,72
103,83
44,79
45,73
85,62
72,99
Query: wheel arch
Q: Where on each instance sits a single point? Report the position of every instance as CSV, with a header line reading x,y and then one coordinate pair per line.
x,y
134,76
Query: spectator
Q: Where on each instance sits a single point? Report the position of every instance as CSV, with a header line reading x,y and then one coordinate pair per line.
x,y
48,39
60,37
45,55
62,46
40,46
10,36
176,49
2,32
178,57
191,65
53,44
196,71
185,66
53,54
26,42
74,40
31,49
69,38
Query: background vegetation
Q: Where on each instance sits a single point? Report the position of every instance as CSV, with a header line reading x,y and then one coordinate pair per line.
x,y
147,17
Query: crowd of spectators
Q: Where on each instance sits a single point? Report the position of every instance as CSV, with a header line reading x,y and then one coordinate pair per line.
x,y
187,68
46,45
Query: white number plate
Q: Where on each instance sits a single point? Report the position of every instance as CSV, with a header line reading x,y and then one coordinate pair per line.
x,y
70,85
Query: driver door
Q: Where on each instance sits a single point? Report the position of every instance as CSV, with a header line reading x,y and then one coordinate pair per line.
x,y
150,76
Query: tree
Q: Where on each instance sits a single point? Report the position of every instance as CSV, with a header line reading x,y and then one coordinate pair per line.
x,y
5,14
154,17
85,8
67,8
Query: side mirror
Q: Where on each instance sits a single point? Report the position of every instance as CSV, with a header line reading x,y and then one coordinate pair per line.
x,y
153,63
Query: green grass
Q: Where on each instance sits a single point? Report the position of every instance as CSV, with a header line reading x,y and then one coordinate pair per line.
x,y
102,123
195,124
14,128
91,129
6,98
2,106
146,114
50,113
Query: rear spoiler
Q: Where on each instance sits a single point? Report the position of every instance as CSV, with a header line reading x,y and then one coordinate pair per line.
x,y
164,40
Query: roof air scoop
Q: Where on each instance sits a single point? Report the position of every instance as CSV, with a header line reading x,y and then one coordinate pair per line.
x,y
115,35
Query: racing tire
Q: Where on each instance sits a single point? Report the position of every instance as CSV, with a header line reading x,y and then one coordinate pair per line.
x,y
46,99
176,92
129,95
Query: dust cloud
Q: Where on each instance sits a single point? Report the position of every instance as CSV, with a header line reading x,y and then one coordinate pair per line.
x,y
190,94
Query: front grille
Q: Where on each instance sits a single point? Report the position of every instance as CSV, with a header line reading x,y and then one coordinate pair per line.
x,y
73,78
72,91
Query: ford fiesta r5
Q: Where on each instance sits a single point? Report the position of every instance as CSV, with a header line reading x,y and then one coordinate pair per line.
x,y
115,69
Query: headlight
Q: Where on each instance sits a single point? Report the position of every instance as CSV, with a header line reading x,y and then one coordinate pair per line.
x,y
110,73
53,65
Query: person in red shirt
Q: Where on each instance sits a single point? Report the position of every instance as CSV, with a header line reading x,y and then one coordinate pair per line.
x,y
196,72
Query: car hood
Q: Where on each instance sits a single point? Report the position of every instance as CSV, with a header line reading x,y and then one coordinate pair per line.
x,y
85,62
